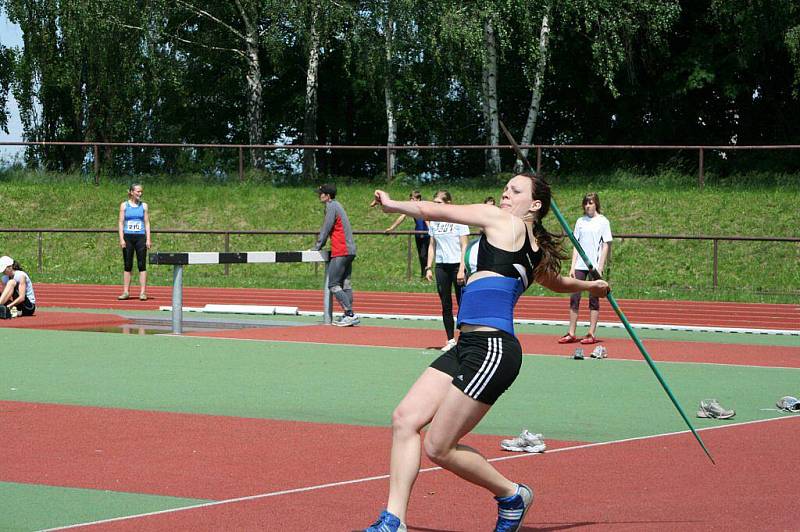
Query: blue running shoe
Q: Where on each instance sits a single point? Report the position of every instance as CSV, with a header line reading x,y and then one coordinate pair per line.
x,y
511,510
387,522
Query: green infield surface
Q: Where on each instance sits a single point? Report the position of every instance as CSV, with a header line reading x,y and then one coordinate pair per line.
x,y
158,432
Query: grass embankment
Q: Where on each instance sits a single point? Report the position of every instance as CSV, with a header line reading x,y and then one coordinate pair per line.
x,y
659,269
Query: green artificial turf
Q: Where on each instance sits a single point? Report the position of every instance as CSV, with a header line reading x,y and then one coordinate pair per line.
x,y
588,401
26,507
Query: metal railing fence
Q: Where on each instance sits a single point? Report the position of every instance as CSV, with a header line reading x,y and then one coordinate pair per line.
x,y
390,150
410,249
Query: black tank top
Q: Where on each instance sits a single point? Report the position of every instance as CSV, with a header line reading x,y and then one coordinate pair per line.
x,y
518,264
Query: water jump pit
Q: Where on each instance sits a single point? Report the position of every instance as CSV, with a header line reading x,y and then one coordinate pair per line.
x,y
127,324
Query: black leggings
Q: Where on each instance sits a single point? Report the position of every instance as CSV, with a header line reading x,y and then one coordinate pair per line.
x,y
422,241
26,307
575,298
445,281
135,243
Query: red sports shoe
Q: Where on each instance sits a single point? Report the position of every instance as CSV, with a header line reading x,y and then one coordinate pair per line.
x,y
589,339
568,339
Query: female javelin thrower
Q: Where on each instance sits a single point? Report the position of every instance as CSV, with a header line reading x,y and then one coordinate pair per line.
x,y
459,387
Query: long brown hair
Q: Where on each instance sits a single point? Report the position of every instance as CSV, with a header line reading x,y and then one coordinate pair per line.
x,y
593,197
444,194
550,244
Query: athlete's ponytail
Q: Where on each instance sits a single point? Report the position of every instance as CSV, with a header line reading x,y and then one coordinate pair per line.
x,y
550,244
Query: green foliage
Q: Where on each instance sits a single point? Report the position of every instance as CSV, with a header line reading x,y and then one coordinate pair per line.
x,y
618,72
647,268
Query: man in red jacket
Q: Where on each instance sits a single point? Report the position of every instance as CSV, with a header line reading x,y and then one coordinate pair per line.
x,y
343,251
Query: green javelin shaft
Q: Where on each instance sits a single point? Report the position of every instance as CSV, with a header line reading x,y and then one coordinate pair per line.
x,y
594,273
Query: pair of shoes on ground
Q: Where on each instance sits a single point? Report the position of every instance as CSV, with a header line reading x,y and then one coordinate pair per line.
x,y
125,295
598,352
710,408
526,442
347,321
510,514
451,343
571,339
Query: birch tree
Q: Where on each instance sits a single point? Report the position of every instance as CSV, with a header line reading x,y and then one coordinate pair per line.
x,y
538,84
489,94
386,41
6,75
609,26
78,75
245,27
316,24
312,84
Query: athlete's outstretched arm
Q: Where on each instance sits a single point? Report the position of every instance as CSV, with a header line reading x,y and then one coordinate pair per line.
x,y
477,215
565,285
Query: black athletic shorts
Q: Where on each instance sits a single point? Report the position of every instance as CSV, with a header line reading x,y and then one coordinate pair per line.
x,y
483,364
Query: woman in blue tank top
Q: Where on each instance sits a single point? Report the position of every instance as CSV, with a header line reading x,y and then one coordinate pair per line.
x,y
134,237
458,389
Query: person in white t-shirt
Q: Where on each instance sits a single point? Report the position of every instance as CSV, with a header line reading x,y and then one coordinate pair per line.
x,y
17,288
593,233
448,245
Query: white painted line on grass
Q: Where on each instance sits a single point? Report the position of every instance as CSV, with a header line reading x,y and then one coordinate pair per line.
x,y
610,360
383,477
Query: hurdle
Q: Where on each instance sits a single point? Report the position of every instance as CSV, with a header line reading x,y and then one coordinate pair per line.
x,y
179,260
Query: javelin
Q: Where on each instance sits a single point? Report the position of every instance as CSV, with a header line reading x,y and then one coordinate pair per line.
x,y
594,273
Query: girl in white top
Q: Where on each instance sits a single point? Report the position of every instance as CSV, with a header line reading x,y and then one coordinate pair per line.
x,y
448,245
17,288
593,233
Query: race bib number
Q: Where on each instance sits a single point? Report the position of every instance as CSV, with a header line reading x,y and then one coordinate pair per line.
x,y
134,226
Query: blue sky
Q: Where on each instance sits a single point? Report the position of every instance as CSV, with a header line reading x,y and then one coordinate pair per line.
x,y
10,35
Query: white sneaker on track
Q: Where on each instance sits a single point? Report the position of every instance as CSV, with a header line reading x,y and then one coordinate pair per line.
x,y
526,442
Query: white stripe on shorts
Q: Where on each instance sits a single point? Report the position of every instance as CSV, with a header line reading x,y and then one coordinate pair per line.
x,y
494,355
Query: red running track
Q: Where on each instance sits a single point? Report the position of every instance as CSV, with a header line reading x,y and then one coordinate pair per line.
x,y
681,313
651,484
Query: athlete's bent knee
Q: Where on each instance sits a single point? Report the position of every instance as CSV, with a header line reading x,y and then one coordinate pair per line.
x,y
406,422
438,454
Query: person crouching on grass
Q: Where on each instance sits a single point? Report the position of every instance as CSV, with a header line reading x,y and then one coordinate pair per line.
x,y
17,288
458,389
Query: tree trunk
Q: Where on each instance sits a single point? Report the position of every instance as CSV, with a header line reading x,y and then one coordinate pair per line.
x,y
310,123
391,124
254,100
538,82
490,89
485,108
